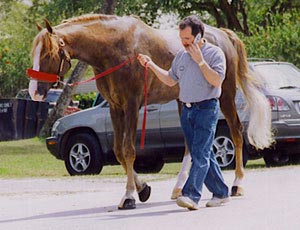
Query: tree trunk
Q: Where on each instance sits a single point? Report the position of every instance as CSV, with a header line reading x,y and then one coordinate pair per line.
x,y
230,14
108,7
64,99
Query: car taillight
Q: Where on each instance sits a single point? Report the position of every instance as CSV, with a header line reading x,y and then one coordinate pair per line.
x,y
278,104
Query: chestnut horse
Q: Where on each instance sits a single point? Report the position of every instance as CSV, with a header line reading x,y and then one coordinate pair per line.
x,y
104,41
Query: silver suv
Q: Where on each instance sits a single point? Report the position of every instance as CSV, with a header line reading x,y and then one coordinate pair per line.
x,y
281,84
84,140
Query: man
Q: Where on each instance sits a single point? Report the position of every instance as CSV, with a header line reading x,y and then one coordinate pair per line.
x,y
199,69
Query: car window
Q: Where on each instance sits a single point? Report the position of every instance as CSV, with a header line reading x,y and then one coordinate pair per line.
x,y
52,96
279,75
99,100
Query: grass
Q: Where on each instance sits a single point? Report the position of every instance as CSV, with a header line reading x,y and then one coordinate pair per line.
x,y
30,158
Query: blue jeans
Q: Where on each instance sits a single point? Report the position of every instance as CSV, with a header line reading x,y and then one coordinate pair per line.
x,y
199,126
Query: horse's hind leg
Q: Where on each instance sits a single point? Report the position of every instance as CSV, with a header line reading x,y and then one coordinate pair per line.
x,y
228,108
185,166
182,175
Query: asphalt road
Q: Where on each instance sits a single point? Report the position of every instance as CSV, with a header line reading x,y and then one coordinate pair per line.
x,y
271,202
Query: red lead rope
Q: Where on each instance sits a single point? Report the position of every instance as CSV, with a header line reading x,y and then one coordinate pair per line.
x,y
145,107
46,77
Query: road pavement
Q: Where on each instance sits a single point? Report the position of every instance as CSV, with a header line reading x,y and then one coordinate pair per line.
x,y
271,201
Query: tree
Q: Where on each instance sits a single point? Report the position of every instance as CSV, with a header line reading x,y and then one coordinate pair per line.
x,y
232,14
14,48
269,28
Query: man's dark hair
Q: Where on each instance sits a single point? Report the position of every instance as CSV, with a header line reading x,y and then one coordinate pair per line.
x,y
195,23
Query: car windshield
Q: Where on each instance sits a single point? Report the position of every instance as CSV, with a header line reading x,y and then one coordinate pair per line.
x,y
279,75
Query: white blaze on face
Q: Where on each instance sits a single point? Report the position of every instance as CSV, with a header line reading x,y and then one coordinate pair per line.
x,y
32,88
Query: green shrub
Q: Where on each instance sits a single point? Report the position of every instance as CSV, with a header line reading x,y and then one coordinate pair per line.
x,y
85,99
280,42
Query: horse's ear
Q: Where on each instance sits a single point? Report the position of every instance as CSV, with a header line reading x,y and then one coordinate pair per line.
x,y
39,27
49,28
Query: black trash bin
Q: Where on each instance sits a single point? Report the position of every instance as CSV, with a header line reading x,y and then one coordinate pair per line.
x,y
12,112
42,115
21,118
35,116
30,119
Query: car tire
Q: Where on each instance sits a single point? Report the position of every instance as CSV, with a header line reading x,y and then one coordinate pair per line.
x,y
84,155
224,149
148,165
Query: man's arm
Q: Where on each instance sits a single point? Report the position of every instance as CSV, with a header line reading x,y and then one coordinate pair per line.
x,y
161,74
210,75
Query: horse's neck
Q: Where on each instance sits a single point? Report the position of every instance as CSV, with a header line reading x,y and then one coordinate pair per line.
x,y
88,43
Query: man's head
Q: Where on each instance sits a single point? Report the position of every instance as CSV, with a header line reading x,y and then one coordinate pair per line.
x,y
189,27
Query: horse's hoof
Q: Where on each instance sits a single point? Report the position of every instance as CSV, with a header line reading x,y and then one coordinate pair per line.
x,y
145,193
176,193
128,204
237,191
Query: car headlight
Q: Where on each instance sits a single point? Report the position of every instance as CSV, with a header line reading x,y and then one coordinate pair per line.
x,y
54,128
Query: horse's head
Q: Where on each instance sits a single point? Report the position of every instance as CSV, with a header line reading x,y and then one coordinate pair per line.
x,y
50,56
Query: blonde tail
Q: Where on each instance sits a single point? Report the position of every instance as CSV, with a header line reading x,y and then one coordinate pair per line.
x,y
259,130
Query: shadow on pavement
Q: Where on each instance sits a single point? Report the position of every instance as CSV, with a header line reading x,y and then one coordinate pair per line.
x,y
103,210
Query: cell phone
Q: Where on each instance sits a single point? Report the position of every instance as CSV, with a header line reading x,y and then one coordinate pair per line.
x,y
197,39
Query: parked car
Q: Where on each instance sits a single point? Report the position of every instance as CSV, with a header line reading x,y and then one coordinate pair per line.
x,y
281,81
52,97
84,140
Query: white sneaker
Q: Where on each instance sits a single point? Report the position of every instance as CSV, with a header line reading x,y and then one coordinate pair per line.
x,y
185,202
216,202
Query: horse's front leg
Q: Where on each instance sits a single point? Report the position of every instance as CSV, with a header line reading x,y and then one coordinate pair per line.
x,y
117,117
128,201
129,155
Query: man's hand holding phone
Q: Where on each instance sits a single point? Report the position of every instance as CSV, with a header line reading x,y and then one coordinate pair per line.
x,y
194,50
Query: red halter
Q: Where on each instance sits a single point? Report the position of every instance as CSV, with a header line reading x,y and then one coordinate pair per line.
x,y
41,76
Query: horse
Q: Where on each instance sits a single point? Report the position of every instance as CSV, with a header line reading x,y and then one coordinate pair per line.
x,y
104,41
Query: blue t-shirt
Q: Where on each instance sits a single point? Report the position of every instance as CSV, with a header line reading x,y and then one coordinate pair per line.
x,y
193,85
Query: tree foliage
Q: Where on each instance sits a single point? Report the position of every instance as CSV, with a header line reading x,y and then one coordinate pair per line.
x,y
280,41
14,51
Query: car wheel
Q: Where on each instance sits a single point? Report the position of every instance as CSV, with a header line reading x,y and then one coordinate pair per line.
x,y
224,149
84,156
148,165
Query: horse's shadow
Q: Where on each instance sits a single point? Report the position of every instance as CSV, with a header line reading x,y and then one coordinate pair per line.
x,y
111,210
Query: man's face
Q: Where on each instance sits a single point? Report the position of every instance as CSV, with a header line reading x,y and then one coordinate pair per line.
x,y
186,36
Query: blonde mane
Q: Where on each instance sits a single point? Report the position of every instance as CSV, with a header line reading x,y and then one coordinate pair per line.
x,y
49,42
89,17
